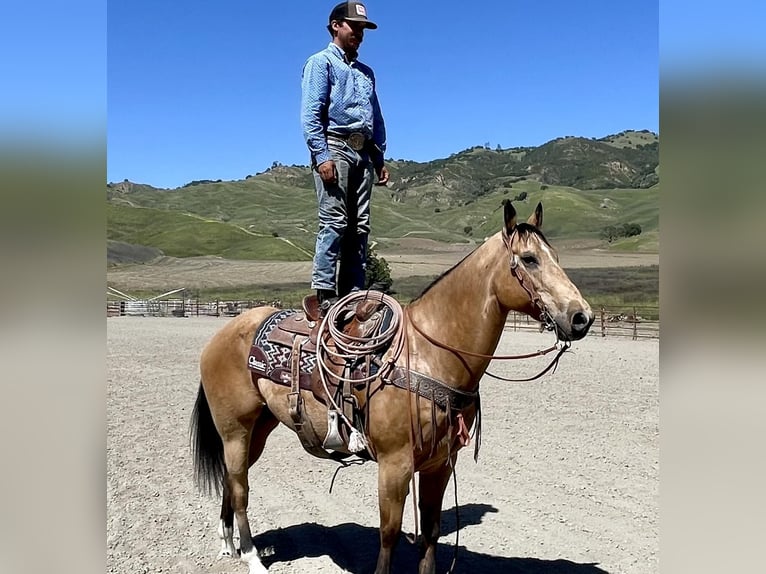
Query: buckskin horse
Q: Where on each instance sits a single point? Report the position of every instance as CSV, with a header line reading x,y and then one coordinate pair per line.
x,y
417,407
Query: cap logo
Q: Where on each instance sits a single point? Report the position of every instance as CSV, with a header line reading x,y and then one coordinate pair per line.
x,y
360,11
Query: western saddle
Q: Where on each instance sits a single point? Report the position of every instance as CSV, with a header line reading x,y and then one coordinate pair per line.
x,y
284,350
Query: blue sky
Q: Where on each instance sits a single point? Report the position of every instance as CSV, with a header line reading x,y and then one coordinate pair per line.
x,y
52,72
202,90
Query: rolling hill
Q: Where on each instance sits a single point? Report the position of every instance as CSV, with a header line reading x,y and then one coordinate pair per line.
x,y
585,185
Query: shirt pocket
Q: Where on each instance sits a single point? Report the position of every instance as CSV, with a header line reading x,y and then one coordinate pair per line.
x,y
364,85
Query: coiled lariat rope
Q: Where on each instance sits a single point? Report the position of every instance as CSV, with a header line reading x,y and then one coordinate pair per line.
x,y
348,348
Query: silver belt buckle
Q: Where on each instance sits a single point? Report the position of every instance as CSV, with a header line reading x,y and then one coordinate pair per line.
x,y
356,141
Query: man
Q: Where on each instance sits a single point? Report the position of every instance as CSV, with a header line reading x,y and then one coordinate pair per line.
x,y
346,135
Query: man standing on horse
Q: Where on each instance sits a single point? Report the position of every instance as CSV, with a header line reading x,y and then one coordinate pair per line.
x,y
346,136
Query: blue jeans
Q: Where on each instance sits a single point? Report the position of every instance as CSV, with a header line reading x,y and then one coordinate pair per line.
x,y
344,222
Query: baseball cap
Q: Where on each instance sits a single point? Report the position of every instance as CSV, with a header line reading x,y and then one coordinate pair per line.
x,y
353,12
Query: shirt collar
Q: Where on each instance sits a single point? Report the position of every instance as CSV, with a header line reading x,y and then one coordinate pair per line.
x,y
333,47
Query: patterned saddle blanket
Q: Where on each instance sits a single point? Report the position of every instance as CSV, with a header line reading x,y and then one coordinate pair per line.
x,y
272,348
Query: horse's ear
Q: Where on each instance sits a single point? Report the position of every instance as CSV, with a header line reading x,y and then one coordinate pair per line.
x,y
536,218
509,214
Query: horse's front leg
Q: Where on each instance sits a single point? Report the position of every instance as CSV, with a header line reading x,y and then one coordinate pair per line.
x,y
394,474
431,486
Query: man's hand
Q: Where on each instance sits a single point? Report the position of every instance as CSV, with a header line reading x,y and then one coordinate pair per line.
x,y
327,171
382,174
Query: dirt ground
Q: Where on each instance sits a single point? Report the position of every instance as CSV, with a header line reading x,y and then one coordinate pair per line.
x,y
567,479
418,257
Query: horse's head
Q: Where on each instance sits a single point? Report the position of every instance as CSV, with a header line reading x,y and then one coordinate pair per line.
x,y
538,285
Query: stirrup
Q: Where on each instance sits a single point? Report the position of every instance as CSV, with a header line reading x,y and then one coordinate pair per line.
x,y
333,440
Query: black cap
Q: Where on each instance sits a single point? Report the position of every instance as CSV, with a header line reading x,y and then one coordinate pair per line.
x,y
353,12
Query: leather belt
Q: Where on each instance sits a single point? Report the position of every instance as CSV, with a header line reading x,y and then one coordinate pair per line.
x,y
355,140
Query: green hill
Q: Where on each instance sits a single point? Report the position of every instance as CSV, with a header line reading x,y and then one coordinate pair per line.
x,y
585,185
187,235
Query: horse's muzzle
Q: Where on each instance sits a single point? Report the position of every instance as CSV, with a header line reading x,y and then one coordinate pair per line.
x,y
580,323
574,325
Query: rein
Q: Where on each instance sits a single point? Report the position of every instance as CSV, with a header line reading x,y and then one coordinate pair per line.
x,y
523,278
564,347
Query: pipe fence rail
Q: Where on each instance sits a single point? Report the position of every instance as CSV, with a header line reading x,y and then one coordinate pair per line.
x,y
632,321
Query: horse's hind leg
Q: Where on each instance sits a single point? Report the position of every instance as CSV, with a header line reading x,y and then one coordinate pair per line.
x,y
236,455
431,486
262,429
226,525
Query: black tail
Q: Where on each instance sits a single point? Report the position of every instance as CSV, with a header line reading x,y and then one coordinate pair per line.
x,y
207,447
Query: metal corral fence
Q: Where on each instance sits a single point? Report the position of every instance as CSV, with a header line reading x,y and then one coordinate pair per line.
x,y
634,322
182,308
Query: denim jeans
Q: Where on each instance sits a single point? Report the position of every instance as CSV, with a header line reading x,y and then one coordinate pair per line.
x,y
344,222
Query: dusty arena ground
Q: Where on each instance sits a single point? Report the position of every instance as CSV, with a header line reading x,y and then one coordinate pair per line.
x,y
566,482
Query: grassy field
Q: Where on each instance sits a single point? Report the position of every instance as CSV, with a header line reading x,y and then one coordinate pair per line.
x,y
187,235
261,219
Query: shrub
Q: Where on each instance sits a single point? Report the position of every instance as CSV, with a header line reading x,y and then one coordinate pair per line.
x,y
378,272
612,232
609,233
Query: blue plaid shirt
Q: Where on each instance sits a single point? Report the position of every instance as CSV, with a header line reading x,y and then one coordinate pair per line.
x,y
339,96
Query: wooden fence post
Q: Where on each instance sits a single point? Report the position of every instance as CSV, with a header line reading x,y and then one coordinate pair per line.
x,y
603,322
635,324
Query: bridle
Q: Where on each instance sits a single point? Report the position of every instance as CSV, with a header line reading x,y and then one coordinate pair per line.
x,y
522,276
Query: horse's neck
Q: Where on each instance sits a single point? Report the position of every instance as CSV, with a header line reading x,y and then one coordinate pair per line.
x,y
461,311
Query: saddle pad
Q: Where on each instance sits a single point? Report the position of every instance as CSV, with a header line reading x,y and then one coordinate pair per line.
x,y
268,359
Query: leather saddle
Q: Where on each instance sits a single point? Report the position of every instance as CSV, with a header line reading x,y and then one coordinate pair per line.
x,y
275,341
284,350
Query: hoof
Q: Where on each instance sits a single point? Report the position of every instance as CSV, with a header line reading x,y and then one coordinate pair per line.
x,y
228,553
254,563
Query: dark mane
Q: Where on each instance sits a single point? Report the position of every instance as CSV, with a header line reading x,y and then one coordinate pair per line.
x,y
523,229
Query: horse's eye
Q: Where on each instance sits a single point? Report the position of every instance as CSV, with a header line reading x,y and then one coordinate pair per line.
x,y
529,259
